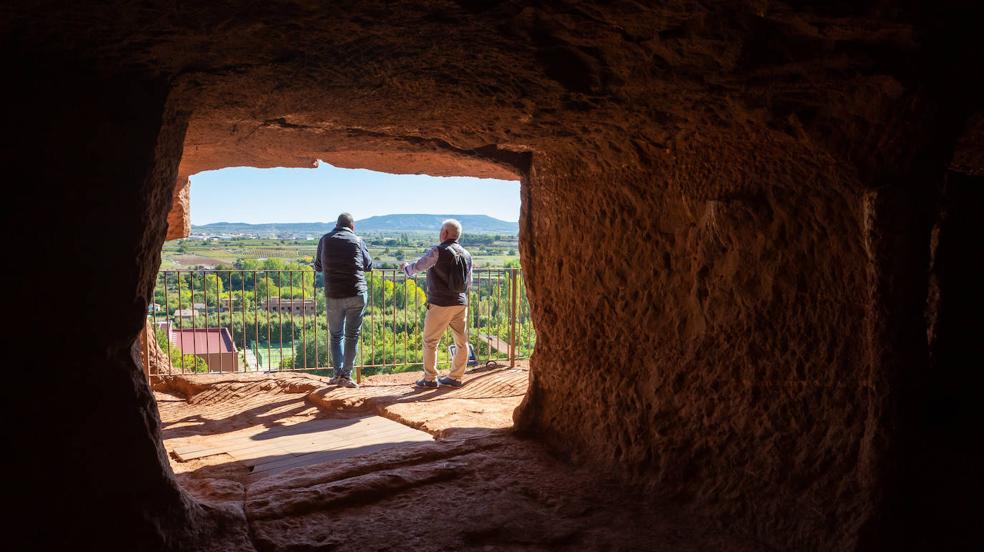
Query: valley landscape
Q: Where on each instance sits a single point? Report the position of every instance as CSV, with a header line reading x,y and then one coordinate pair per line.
x,y
391,238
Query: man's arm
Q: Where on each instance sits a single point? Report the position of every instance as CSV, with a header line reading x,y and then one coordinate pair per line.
x,y
366,259
428,260
317,256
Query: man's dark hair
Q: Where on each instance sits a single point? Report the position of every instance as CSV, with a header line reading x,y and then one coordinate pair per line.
x,y
345,220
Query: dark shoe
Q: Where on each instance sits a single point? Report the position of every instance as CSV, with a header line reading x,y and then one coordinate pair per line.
x,y
345,382
445,380
426,383
334,380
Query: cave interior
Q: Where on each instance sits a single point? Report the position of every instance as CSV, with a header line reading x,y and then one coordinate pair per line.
x,y
749,225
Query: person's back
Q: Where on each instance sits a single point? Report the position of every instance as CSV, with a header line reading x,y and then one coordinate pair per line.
x,y
449,268
450,277
343,258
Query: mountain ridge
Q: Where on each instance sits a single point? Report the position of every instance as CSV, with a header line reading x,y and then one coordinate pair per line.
x,y
398,222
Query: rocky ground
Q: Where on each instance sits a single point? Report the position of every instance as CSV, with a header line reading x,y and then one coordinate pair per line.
x,y
475,486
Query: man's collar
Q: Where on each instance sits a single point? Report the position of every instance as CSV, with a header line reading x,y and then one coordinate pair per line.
x,y
337,228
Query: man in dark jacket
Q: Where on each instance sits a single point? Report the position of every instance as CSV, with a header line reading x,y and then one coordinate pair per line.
x,y
449,276
344,259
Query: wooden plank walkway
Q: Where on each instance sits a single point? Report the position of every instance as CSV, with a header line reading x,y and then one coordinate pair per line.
x,y
269,449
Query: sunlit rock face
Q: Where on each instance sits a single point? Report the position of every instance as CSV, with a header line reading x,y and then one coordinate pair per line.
x,y
727,227
179,217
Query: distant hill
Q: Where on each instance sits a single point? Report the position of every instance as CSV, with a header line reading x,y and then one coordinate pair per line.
x,y
383,223
432,223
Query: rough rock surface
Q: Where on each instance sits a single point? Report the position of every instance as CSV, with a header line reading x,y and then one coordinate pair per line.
x,y
150,351
179,218
728,224
486,402
968,158
464,491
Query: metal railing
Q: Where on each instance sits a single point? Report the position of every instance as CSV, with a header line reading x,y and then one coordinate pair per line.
x,y
209,321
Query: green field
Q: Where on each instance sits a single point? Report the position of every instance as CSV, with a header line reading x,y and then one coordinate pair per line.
x,y
488,251
270,358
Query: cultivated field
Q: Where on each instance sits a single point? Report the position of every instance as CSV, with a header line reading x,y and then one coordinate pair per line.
x,y
488,251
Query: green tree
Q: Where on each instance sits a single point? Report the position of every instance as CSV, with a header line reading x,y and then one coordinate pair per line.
x,y
213,288
248,264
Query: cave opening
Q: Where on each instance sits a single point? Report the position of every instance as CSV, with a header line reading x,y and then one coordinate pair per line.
x,y
224,272
237,340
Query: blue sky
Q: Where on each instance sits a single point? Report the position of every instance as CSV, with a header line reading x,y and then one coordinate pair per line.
x,y
246,194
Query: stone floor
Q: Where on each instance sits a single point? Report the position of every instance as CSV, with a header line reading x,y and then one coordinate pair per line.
x,y
308,466
270,424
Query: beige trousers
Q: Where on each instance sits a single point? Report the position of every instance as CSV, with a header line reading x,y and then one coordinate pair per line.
x,y
437,320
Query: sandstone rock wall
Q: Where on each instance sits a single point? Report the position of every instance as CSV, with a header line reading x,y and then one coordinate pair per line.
x,y
710,345
102,161
728,219
179,217
158,364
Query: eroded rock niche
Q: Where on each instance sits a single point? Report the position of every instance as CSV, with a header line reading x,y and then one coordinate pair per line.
x,y
728,229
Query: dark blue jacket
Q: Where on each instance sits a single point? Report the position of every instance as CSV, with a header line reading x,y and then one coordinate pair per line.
x,y
343,257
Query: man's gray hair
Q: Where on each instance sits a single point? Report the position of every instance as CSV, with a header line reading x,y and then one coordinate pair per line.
x,y
453,227
345,220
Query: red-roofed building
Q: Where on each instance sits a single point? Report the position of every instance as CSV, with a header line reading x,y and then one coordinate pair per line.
x,y
213,345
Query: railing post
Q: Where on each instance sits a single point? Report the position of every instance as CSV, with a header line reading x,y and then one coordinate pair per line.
x,y
512,315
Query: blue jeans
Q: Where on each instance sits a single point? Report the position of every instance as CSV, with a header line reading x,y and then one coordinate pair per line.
x,y
345,318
